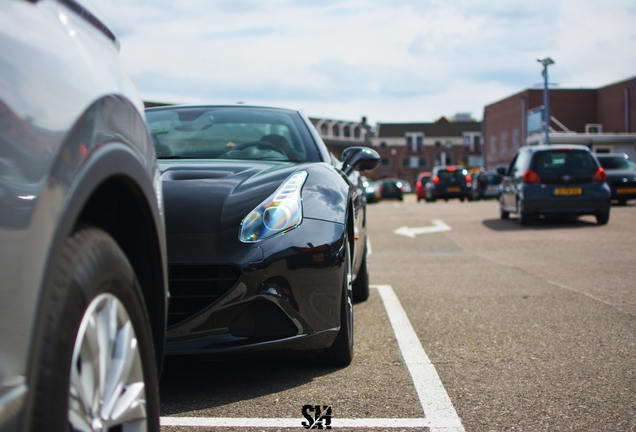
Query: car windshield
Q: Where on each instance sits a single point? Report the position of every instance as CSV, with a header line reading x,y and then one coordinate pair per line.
x,y
617,163
230,133
558,162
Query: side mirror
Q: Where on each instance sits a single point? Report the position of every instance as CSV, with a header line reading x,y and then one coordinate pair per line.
x,y
501,171
359,158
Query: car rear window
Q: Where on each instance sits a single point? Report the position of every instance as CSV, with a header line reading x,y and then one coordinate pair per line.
x,y
617,163
492,179
558,162
445,174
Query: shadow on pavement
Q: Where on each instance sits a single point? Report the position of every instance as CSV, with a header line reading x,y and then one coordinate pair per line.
x,y
198,385
539,224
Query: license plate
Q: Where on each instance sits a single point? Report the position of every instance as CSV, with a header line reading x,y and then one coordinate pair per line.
x,y
626,190
392,190
454,189
568,191
493,190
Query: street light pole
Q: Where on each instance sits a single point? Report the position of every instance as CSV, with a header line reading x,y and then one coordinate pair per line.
x,y
546,61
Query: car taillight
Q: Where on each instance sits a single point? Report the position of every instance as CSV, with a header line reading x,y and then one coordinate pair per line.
x,y
436,180
468,179
418,184
531,177
599,175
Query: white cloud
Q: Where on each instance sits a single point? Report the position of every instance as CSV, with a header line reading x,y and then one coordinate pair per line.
x,y
399,60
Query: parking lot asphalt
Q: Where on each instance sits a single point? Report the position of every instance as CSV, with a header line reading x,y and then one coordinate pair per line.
x,y
515,350
517,340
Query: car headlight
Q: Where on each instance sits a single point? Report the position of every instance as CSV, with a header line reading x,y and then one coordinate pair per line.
x,y
278,214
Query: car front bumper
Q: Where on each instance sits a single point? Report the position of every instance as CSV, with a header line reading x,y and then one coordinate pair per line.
x,y
281,293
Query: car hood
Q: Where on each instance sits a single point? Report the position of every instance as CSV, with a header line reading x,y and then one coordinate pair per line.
x,y
212,196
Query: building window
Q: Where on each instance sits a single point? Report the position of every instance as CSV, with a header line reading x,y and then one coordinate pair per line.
x,y
515,139
383,145
406,163
423,162
409,140
419,141
493,145
385,163
504,143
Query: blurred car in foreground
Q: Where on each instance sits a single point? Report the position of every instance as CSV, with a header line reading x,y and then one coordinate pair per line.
x,y
267,237
485,185
372,191
447,181
554,179
420,185
83,292
391,189
620,176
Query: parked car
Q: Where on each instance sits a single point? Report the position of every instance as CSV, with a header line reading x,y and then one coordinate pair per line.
x,y
554,179
447,181
621,176
392,188
267,238
485,185
420,185
372,191
83,291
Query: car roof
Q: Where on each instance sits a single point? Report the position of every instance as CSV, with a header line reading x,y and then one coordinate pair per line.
x,y
241,106
604,155
556,147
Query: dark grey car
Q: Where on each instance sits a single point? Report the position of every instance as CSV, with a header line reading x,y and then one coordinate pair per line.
x,y
82,245
621,176
554,179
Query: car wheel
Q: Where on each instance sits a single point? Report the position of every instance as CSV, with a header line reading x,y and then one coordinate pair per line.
x,y
622,202
522,217
461,199
602,218
97,331
340,353
361,284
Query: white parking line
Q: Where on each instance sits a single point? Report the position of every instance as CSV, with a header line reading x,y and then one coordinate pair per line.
x,y
440,415
437,406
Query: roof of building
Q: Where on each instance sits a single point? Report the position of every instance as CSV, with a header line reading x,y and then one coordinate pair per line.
x,y
438,129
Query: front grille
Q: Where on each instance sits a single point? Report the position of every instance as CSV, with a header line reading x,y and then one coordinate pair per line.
x,y
193,287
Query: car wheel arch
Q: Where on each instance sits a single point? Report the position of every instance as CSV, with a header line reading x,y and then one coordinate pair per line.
x,y
113,170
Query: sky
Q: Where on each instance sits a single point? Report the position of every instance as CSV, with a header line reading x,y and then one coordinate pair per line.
x,y
391,61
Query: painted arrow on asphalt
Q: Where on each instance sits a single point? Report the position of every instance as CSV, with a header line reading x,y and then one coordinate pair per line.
x,y
438,226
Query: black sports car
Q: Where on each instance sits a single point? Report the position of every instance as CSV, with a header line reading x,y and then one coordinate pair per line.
x,y
266,233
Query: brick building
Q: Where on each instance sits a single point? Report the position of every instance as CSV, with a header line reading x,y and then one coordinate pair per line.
x,y
340,134
603,119
407,149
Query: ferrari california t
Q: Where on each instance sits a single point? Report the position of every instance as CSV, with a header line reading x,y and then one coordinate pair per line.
x,y
266,232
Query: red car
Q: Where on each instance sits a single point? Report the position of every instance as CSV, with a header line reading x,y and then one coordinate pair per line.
x,y
420,185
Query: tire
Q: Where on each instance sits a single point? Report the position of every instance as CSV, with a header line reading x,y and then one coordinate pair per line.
x,y
522,217
502,213
602,218
361,284
622,202
461,199
340,353
94,316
